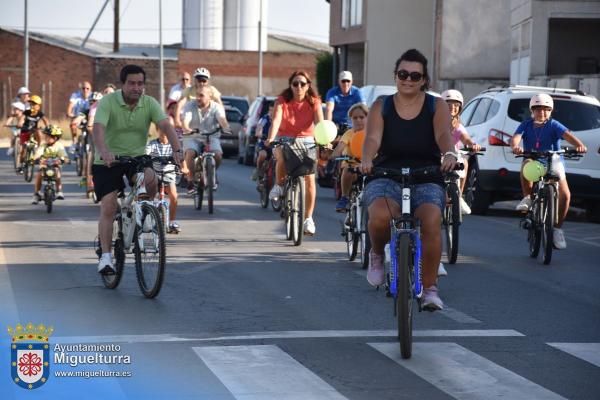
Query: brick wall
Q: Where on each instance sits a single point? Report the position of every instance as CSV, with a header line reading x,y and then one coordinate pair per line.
x,y
236,72
54,72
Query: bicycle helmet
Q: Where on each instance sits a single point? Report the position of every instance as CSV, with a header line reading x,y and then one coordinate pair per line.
x,y
452,94
541,99
53,131
35,99
96,96
202,72
23,90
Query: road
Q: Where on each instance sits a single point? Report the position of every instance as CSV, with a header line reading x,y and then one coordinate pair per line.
x,y
245,315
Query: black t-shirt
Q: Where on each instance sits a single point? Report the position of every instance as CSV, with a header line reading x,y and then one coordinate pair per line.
x,y
31,121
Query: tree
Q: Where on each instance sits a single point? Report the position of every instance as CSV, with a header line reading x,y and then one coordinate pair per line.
x,y
324,71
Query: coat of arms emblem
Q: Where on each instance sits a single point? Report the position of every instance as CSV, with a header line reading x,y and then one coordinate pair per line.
x,y
30,355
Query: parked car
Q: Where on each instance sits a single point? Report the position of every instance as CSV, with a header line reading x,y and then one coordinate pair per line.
x,y
247,140
373,92
229,141
492,117
241,103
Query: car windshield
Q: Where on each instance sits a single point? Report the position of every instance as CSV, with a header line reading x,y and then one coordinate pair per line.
x,y
574,115
240,104
232,115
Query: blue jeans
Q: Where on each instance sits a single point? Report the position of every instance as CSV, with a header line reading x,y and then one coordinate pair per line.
x,y
425,193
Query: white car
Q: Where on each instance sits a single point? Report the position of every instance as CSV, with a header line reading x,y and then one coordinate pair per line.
x,y
373,92
492,117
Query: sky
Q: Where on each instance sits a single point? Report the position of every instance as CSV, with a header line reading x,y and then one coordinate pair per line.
x,y
139,18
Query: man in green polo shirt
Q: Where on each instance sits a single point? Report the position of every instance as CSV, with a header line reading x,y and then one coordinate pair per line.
x,y
121,129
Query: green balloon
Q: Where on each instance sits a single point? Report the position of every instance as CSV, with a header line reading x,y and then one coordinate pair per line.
x,y
534,170
325,132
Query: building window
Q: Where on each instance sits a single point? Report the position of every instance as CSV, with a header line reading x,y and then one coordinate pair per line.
x,y
351,13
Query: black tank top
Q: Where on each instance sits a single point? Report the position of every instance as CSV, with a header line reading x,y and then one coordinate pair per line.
x,y
408,143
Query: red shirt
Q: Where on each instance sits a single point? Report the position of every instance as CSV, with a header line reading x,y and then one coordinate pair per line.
x,y
298,117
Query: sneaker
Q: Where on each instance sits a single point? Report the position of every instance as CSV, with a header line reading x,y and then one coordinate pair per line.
x,y
60,196
276,192
558,238
441,270
20,170
342,204
191,189
464,207
309,227
375,273
105,265
525,204
36,198
431,301
254,175
174,228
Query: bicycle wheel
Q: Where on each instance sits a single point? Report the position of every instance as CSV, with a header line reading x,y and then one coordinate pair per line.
x,y
48,198
287,210
150,251
162,210
79,158
452,222
199,195
534,233
112,281
28,173
210,184
16,151
470,188
548,223
352,236
365,240
298,211
404,298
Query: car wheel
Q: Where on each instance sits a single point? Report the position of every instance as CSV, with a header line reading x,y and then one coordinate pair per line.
x,y
592,211
481,199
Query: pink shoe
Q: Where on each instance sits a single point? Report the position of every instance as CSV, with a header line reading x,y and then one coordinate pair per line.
x,y
375,273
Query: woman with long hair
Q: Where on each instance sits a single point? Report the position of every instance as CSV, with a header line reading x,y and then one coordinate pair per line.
x,y
297,110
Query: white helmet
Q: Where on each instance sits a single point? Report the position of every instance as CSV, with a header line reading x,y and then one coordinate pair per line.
x,y
541,99
452,94
23,90
202,72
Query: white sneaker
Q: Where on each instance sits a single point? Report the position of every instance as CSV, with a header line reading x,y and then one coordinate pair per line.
x,y
525,204
441,270
309,227
276,192
558,239
431,300
105,265
464,207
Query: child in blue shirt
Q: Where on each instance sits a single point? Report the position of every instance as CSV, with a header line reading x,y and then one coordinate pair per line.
x,y
542,133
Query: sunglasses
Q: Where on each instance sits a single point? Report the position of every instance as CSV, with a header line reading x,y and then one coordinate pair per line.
x,y
87,88
345,81
299,83
404,75
202,80
185,79
543,108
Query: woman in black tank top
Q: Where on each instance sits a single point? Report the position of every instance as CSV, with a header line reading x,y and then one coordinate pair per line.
x,y
409,129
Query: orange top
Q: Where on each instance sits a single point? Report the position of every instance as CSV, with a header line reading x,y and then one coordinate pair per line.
x,y
298,118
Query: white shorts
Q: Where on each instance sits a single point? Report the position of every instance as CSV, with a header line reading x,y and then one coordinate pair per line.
x,y
196,143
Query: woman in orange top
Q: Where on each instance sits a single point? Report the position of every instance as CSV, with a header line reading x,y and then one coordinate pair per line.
x,y
297,110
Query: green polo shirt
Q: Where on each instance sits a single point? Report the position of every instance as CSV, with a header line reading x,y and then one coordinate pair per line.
x,y
126,130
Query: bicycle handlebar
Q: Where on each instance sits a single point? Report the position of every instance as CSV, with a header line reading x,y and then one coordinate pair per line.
x,y
207,134
567,152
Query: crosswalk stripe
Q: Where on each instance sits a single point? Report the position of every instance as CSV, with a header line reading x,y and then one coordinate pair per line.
x,y
589,352
264,372
464,374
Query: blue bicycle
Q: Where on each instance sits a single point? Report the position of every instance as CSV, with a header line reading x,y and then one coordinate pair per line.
x,y
404,276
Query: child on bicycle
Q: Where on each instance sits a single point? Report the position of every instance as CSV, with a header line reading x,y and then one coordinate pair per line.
x,y
29,125
454,99
358,114
262,131
50,152
542,133
16,110
166,174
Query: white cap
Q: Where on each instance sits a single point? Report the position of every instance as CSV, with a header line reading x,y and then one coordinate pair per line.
x,y
345,75
18,105
23,90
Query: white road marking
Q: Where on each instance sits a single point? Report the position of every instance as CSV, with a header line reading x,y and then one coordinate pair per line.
x,y
589,352
264,372
459,316
167,337
464,374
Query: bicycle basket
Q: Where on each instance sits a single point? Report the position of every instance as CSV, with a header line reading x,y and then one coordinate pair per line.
x,y
299,160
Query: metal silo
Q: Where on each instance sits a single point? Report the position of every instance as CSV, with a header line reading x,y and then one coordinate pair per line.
x,y
240,30
203,24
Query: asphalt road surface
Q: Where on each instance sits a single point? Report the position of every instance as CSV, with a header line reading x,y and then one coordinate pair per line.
x,y
245,315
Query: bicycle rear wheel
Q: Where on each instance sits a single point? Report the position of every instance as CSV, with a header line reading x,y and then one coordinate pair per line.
x,y
112,281
210,176
365,239
548,213
470,188
150,251
162,210
298,210
80,155
452,222
404,298
28,173
352,236
199,196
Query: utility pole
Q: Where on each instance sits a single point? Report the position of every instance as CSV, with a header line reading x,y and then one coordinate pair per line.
x,y
26,50
94,24
260,52
116,28
161,90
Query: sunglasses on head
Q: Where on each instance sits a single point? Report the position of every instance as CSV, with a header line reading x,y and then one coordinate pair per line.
x,y
413,76
299,83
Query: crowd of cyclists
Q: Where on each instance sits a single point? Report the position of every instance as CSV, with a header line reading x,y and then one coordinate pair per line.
x,y
409,129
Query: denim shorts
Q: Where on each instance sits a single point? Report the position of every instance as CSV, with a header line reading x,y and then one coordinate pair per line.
x,y
424,193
